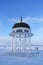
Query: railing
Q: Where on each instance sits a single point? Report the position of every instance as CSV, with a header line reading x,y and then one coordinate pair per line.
x,y
8,48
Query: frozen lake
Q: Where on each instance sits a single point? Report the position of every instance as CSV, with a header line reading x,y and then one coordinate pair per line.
x,y
8,59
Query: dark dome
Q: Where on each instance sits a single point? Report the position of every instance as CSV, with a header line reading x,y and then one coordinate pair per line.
x,y
21,24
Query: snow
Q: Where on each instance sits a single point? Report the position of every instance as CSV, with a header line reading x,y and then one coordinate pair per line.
x,y
11,59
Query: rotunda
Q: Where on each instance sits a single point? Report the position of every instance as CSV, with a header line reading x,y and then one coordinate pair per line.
x,y
21,37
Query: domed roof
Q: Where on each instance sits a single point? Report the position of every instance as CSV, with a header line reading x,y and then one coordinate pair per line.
x,y
21,24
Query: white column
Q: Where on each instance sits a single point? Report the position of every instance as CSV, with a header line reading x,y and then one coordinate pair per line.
x,y
15,44
29,43
12,44
19,44
24,43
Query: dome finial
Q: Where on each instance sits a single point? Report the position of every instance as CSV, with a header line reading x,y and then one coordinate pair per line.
x,y
21,19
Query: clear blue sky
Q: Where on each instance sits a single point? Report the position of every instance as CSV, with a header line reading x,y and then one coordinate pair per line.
x,y
14,9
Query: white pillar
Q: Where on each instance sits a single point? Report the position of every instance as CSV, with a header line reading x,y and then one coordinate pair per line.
x,y
15,43
24,43
19,43
12,44
29,43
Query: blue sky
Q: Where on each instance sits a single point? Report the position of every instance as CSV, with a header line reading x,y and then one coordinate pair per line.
x,y
30,10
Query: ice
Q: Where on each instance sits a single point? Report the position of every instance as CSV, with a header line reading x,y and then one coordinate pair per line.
x,y
7,58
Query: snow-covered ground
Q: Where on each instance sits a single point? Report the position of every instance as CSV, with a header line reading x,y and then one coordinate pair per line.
x,y
11,59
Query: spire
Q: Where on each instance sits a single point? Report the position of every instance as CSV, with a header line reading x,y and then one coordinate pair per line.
x,y
21,19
